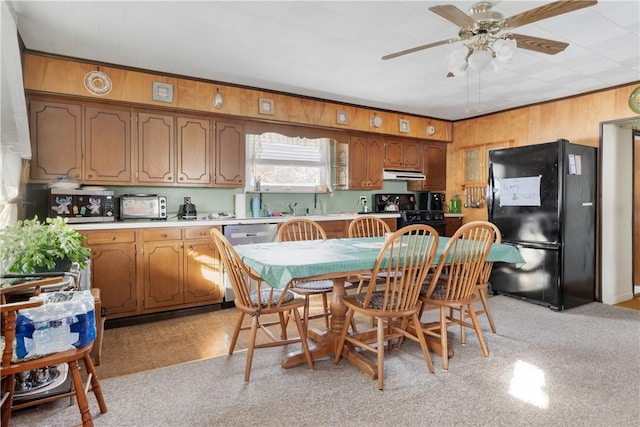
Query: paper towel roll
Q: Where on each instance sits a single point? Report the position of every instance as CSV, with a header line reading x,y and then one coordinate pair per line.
x,y
241,206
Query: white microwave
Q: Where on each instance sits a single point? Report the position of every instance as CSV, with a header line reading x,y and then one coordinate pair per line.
x,y
143,206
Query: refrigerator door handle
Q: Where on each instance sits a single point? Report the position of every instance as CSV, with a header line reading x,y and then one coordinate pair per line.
x,y
490,189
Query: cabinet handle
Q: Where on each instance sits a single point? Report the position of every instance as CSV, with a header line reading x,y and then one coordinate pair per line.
x,y
90,176
163,235
112,238
203,233
181,178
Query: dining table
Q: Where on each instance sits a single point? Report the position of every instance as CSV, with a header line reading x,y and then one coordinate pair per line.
x,y
281,263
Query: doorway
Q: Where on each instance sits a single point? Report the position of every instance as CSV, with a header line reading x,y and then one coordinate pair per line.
x,y
619,201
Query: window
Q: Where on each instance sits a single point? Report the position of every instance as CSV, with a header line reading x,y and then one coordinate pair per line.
x,y
280,163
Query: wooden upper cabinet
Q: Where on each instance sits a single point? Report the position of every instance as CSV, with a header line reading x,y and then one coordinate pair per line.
x,y
433,166
230,149
476,161
366,156
403,154
107,145
56,140
156,148
193,144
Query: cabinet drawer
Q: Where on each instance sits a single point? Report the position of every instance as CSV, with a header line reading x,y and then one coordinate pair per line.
x,y
159,234
191,233
109,236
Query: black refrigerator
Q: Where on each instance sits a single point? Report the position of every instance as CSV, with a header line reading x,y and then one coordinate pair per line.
x,y
543,199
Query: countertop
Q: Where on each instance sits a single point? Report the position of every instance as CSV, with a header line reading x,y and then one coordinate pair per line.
x,y
211,222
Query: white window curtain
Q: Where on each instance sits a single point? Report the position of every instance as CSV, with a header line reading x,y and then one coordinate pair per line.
x,y
279,163
14,136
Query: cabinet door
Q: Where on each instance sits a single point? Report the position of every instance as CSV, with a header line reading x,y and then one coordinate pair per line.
x,y
113,270
435,161
451,225
229,154
375,162
203,278
193,144
434,168
412,155
162,272
476,161
156,148
107,145
56,140
366,159
393,154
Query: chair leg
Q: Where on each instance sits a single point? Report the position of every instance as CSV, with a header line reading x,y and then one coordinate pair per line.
x,y
443,338
236,332
380,351
252,346
303,338
423,342
7,395
95,383
283,324
485,304
343,336
81,396
325,307
463,337
476,326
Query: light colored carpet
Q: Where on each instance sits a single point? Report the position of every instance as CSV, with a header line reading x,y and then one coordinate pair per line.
x,y
575,368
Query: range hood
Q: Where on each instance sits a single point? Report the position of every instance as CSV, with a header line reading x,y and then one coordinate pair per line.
x,y
403,175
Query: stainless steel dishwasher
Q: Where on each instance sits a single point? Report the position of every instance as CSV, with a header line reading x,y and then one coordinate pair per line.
x,y
241,234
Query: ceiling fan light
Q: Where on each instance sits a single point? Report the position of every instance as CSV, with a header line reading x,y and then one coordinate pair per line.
x,y
479,59
504,49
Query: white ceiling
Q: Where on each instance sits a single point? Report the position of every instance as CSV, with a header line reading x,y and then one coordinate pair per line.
x,y
332,49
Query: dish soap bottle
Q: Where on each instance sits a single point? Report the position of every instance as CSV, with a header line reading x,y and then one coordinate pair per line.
x,y
455,204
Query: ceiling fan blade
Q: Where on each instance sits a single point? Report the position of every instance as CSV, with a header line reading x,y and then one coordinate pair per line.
x,y
537,44
546,11
453,14
419,48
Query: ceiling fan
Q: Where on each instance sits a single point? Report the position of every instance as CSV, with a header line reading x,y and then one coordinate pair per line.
x,y
486,36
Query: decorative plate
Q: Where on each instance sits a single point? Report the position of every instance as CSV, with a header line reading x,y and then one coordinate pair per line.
x,y
376,121
634,100
430,130
97,82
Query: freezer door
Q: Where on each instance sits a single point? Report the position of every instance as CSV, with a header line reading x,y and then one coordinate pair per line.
x,y
537,280
538,223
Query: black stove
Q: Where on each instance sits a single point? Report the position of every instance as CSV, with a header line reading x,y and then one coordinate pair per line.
x,y
405,205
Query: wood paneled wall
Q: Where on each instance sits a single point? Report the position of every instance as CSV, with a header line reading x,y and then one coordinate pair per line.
x,y
61,76
576,119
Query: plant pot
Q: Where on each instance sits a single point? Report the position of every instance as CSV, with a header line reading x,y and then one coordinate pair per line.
x,y
63,265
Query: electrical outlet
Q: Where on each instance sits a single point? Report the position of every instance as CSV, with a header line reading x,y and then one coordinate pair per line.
x,y
363,200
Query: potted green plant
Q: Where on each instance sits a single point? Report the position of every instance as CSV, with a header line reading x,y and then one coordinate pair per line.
x,y
32,246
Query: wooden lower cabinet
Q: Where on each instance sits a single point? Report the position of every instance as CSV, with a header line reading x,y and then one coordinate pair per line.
x,y
451,225
113,270
180,269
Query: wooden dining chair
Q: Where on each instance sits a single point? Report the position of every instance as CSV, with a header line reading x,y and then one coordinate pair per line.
x,y
453,284
256,299
405,258
482,287
367,226
11,366
299,229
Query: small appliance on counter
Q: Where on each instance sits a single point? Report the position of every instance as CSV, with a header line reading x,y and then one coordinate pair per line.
x,y
76,205
187,210
143,206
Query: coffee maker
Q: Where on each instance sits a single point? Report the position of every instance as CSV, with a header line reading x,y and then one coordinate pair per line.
x,y
187,210
432,201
